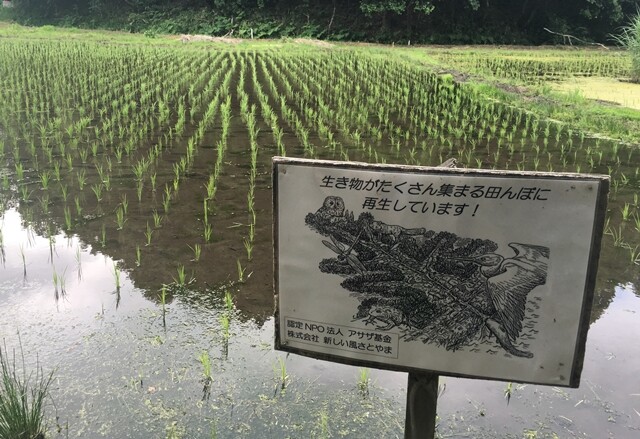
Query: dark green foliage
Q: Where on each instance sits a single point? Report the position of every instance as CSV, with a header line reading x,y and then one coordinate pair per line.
x,y
399,21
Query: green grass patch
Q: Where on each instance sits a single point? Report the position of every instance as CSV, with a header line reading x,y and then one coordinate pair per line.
x,y
22,398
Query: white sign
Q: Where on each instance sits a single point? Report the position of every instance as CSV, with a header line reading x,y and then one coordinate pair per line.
x,y
461,272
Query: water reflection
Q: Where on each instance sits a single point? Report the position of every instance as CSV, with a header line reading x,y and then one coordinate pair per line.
x,y
147,356
111,331
56,272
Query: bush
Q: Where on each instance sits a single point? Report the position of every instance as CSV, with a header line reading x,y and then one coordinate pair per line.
x,y
630,40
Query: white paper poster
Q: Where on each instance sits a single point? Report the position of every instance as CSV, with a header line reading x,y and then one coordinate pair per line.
x,y
466,273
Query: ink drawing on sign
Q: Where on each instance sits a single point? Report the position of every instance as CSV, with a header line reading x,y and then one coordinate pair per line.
x,y
465,273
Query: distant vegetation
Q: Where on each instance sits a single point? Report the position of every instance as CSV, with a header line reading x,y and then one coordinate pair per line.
x,y
630,40
399,21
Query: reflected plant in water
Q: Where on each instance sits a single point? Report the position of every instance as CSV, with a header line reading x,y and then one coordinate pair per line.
x,y
67,218
44,203
63,283
103,236
120,217
78,206
116,276
163,303
139,187
79,262
225,324
22,255
138,255
59,281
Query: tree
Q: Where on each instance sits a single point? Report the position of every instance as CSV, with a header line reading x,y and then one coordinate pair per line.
x,y
406,8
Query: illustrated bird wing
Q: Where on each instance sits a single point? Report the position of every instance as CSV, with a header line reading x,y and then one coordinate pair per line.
x,y
534,255
509,290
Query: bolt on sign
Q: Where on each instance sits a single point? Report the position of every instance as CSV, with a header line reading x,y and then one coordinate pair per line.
x,y
470,273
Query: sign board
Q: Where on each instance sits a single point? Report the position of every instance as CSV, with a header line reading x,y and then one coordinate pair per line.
x,y
469,273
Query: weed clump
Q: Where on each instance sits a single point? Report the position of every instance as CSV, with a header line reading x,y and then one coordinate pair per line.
x,y
22,398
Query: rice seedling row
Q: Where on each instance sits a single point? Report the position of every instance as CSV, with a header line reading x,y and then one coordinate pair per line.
x,y
538,66
151,153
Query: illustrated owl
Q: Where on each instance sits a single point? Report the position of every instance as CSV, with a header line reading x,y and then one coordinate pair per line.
x,y
332,208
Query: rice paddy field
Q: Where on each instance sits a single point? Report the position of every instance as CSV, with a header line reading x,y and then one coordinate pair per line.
x,y
136,229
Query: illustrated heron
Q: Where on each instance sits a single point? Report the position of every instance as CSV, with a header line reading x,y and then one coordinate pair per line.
x,y
510,280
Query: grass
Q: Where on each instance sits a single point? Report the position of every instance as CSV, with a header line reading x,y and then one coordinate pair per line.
x,y
363,381
197,252
181,280
205,361
609,91
584,114
242,276
228,301
281,375
629,38
22,398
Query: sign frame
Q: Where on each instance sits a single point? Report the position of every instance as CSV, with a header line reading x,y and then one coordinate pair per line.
x,y
602,183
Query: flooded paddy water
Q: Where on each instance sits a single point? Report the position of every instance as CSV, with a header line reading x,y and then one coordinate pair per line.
x,y
136,241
